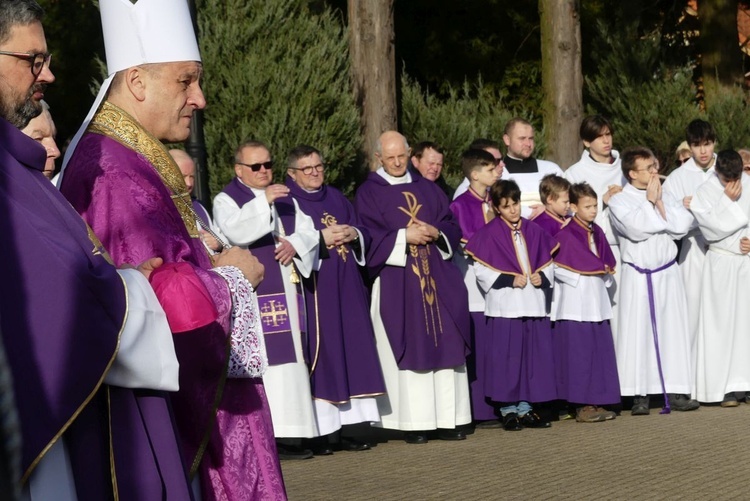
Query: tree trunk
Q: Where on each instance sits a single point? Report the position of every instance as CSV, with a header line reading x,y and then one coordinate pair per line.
x,y
372,50
562,79
721,58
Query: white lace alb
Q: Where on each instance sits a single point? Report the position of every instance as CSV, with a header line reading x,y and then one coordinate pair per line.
x,y
248,350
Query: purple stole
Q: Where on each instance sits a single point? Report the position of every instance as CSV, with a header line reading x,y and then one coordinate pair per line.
x,y
551,223
424,305
277,327
201,211
575,249
493,246
469,213
341,344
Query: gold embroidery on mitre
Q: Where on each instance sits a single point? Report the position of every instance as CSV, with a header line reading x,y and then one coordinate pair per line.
x,y
330,220
116,124
420,266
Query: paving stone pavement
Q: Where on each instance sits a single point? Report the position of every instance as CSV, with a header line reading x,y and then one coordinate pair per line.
x,y
704,454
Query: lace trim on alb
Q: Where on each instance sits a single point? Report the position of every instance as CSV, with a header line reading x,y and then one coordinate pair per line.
x,y
248,350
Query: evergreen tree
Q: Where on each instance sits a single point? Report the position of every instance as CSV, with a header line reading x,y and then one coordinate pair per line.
x,y
279,73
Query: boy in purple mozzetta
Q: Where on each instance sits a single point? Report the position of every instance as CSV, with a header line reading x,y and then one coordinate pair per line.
x,y
513,258
584,350
553,191
473,209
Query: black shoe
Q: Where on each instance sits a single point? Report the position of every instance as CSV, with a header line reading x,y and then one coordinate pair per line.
x,y
532,420
415,437
730,400
682,402
351,444
292,452
446,434
320,446
511,422
485,425
640,406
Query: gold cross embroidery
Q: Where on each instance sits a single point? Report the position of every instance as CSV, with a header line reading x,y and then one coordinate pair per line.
x,y
330,220
273,313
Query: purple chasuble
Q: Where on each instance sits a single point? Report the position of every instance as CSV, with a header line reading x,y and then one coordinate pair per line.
x,y
575,249
341,341
551,223
122,196
424,305
62,310
493,246
277,328
469,213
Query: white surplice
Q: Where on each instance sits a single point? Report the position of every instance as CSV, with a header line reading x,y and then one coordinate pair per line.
x,y
646,240
287,385
723,343
684,182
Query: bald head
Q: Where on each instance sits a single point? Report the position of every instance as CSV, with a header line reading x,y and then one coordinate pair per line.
x,y
392,152
187,167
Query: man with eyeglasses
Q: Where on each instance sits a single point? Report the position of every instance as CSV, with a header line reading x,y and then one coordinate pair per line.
x,y
80,335
682,183
345,375
652,342
255,213
121,178
420,307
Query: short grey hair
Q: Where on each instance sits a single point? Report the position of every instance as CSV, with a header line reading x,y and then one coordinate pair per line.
x,y
379,145
17,12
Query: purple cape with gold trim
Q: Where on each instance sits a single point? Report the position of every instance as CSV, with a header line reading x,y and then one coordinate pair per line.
x,y
424,305
341,341
493,246
549,222
469,213
575,253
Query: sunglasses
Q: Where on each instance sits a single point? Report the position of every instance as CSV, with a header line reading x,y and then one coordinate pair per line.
x,y
256,167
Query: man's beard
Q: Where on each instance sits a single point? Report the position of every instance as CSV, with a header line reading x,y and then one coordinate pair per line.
x,y
20,114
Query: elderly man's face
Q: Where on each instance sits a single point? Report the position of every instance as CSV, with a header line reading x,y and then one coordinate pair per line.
x,y
173,95
312,181
430,165
187,168
20,91
42,129
254,156
394,155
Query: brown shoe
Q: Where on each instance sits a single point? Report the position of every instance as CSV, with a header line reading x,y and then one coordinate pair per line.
x,y
589,414
608,415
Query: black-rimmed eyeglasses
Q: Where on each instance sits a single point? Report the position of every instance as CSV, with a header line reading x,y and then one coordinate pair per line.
x,y
309,169
38,61
256,167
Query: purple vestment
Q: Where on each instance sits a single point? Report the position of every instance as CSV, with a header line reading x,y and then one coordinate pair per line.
x,y
121,194
341,341
424,305
61,310
277,330
493,246
585,358
575,249
469,213
519,362
551,223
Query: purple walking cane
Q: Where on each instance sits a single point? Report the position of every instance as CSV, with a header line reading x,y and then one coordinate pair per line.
x,y
652,310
